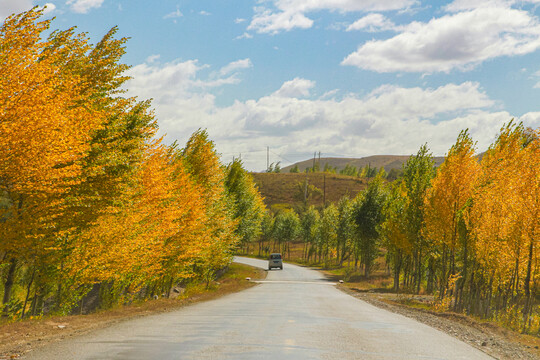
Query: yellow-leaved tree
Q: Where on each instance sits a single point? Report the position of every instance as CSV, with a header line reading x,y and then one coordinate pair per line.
x,y
46,122
505,217
446,206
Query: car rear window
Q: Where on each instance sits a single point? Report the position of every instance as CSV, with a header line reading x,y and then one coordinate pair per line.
x,y
276,256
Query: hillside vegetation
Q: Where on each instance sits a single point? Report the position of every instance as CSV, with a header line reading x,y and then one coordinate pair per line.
x,y
284,190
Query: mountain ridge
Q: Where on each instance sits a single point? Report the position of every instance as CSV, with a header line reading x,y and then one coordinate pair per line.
x,y
389,162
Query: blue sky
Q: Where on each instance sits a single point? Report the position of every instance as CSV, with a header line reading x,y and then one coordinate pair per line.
x,y
344,77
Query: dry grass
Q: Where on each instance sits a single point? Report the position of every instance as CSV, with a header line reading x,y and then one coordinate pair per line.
x,y
19,337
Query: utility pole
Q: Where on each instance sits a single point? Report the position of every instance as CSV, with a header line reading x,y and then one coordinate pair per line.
x,y
319,161
267,158
324,191
314,157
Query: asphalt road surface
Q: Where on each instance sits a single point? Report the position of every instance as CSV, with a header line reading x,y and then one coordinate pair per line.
x,y
294,314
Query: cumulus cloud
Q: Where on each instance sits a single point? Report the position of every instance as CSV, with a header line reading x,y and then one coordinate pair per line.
x,y
289,14
83,6
178,79
388,120
295,88
372,23
456,41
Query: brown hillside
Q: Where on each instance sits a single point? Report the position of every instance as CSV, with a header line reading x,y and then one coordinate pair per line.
x,y
283,188
389,162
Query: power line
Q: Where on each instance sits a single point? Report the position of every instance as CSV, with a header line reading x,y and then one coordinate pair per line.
x,y
282,157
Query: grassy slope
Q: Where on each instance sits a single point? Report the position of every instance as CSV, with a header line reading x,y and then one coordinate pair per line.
x,y
281,188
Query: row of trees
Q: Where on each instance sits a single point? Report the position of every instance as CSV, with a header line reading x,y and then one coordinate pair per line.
x,y
467,231
88,194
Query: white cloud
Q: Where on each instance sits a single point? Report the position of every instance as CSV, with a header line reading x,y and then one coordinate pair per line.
x,y
372,23
531,119
239,20
83,6
460,5
152,58
236,65
245,35
48,8
265,21
295,88
290,14
174,15
9,7
388,120
458,41
204,13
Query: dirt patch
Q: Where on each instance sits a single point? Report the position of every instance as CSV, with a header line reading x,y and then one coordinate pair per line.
x,y
493,340
20,337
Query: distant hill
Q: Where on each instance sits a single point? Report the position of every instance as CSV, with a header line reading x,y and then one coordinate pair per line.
x,y
389,162
285,189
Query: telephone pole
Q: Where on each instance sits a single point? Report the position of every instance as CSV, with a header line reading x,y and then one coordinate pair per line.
x,y
324,191
267,158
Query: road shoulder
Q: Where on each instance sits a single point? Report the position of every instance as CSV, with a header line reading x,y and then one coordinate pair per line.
x,y
489,338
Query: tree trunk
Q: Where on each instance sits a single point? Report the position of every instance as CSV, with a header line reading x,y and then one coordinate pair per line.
x,y
527,307
28,293
8,286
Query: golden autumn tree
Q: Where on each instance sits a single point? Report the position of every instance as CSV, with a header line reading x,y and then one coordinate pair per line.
x,y
445,203
202,162
505,215
150,238
46,121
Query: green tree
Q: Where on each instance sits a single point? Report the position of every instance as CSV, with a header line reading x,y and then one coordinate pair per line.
x,y
417,175
368,217
267,232
328,233
247,202
394,231
309,224
286,229
346,229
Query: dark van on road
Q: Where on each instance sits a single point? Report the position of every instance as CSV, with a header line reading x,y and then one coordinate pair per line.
x,y
275,261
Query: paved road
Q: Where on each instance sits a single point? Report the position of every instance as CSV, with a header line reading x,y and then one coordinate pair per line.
x,y
294,314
